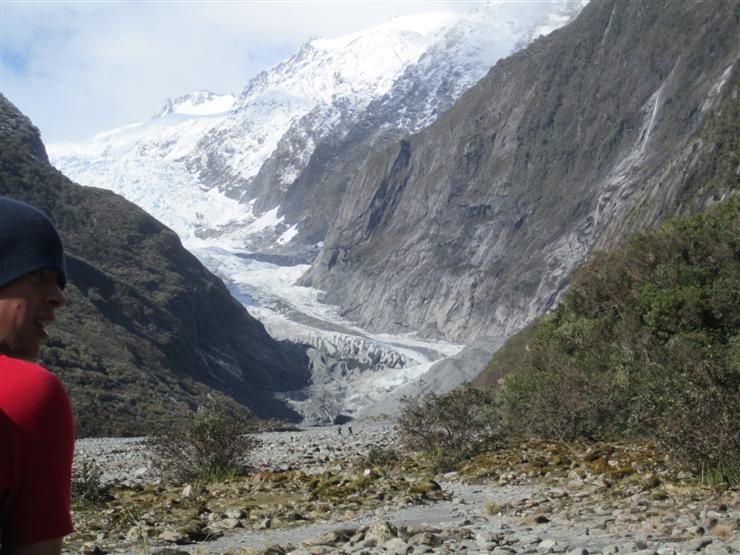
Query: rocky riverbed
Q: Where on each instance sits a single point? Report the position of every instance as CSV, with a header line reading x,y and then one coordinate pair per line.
x,y
126,461
317,492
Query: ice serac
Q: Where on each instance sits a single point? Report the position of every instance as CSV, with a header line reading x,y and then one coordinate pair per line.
x,y
472,227
147,328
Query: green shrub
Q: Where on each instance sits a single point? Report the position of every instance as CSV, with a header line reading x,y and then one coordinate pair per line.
x,y
210,444
509,355
645,343
451,427
382,457
88,488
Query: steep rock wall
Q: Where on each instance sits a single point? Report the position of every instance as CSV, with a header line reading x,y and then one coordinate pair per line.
x,y
473,226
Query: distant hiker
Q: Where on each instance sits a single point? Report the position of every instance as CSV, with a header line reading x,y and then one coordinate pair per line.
x,y
339,430
349,430
36,428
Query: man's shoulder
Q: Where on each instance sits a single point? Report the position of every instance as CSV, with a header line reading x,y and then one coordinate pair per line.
x,y
25,387
22,370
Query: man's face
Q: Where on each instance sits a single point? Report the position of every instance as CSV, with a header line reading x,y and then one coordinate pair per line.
x,y
27,306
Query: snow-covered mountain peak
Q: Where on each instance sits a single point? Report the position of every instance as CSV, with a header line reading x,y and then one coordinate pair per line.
x,y
199,103
420,24
213,153
359,65
462,53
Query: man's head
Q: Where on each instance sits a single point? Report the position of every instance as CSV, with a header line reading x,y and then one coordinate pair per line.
x,y
32,275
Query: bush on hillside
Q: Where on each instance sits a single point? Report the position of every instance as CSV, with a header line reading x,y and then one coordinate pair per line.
x,y
451,427
210,444
385,458
509,355
88,488
645,343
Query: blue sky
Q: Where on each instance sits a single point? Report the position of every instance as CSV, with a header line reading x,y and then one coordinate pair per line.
x,y
78,68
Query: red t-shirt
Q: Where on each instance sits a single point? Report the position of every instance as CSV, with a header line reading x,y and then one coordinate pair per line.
x,y
36,447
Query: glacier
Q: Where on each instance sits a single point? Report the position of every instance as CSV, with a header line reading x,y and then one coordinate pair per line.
x,y
192,165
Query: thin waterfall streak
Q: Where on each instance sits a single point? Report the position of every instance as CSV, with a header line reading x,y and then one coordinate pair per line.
x,y
652,120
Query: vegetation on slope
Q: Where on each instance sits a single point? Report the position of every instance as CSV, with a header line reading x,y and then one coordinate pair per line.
x,y
508,356
644,345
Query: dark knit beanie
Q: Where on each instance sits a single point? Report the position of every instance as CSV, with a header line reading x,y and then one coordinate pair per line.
x,y
28,242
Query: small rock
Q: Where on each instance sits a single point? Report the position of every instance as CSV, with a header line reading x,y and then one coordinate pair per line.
x,y
633,546
529,540
367,543
266,523
228,523
698,544
187,492
425,539
397,546
547,545
235,513
485,536
171,536
381,532
330,538
540,519
90,548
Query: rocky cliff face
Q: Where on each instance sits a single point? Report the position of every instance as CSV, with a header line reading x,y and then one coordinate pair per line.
x,y
473,226
147,327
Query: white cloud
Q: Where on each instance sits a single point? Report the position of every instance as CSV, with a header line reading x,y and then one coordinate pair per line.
x,y
77,68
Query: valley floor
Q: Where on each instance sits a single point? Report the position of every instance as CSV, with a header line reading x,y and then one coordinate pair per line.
x,y
354,371
315,491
